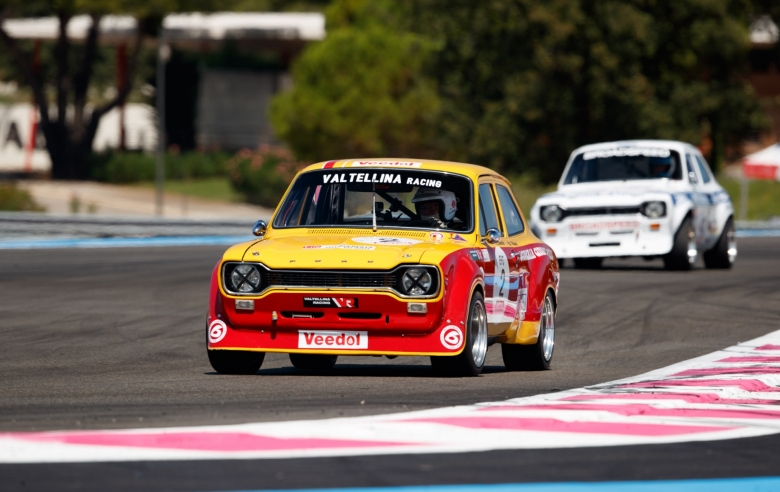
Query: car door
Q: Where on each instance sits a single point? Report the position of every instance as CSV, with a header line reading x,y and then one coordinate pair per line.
x,y
709,188
699,199
512,244
495,260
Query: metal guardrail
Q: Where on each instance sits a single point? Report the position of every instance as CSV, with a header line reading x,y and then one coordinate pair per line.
x,y
15,225
19,225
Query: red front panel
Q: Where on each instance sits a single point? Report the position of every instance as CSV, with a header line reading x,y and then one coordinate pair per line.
x,y
347,322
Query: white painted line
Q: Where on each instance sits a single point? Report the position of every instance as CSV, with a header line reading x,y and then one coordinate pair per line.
x,y
728,394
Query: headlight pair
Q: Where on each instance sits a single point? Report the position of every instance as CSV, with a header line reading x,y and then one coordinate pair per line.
x,y
243,278
653,210
417,281
551,213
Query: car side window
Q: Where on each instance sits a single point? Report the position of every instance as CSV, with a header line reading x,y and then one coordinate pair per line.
x,y
703,170
512,219
691,173
487,210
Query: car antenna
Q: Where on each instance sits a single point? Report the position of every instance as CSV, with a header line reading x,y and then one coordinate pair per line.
x,y
373,205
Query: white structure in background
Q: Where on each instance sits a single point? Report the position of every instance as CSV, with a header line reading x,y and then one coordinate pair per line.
x,y
764,164
140,134
232,104
247,25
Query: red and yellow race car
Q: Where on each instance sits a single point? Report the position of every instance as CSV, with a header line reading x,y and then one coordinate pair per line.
x,y
387,257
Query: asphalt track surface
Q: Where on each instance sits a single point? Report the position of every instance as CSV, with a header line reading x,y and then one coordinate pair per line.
x,y
100,339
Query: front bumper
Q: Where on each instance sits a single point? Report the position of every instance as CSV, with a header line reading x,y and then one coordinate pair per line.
x,y
379,325
606,236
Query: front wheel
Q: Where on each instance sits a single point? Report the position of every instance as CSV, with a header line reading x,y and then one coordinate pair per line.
x,y
684,252
724,253
536,357
235,361
472,359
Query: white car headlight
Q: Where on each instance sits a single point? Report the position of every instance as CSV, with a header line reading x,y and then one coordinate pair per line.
x,y
654,210
245,278
416,281
551,213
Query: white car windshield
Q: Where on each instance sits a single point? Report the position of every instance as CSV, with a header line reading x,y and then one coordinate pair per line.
x,y
394,198
623,164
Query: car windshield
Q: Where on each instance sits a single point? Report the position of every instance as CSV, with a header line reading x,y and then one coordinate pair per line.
x,y
624,163
398,199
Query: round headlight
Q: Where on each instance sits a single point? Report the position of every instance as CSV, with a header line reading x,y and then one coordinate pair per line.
x,y
654,210
551,213
245,278
416,281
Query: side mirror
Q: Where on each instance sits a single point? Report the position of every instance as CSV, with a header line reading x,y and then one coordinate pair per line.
x,y
493,236
259,228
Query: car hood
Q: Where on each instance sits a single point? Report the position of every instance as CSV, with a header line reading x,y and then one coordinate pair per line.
x,y
611,193
337,252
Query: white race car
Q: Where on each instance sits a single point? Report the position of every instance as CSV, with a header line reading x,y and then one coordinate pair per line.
x,y
649,198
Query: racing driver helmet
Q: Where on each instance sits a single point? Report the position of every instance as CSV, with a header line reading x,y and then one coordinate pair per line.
x,y
435,204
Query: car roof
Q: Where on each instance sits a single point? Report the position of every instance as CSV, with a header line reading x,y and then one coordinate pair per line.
x,y
669,144
471,170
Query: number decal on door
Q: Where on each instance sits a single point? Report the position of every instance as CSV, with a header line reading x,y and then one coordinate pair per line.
x,y
500,287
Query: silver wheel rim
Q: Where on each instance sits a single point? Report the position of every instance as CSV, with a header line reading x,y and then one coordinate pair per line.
x,y
693,252
731,241
478,328
548,329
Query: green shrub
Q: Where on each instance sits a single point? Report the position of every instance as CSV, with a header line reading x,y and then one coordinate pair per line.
x,y
132,167
262,175
13,199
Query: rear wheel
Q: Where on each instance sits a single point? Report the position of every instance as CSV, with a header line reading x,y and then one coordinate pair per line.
x,y
588,263
235,361
724,253
684,252
536,357
472,359
313,362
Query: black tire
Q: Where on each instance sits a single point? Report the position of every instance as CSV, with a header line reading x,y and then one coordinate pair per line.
x,y
588,263
534,357
723,254
466,363
235,361
313,362
678,258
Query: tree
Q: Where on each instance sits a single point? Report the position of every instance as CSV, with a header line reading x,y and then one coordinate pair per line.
x,y
69,137
360,92
525,82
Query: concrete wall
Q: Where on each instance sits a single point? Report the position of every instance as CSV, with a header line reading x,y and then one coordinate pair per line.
x,y
233,108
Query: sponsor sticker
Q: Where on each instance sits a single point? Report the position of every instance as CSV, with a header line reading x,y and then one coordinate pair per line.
x,y
339,340
485,254
612,224
331,302
626,152
341,246
457,237
386,241
475,255
405,164
436,236
451,337
217,330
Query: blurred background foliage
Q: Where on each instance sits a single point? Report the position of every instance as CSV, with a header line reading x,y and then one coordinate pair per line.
x,y
518,85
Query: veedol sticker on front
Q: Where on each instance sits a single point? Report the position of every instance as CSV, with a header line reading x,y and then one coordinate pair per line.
x,y
338,340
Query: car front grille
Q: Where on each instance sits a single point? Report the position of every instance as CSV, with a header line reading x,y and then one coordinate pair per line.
x,y
303,278
584,212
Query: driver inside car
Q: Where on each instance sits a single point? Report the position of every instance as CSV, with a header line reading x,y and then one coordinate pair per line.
x,y
437,207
